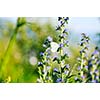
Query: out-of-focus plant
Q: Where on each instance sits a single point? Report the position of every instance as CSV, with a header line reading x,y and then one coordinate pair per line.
x,y
20,22
94,66
20,65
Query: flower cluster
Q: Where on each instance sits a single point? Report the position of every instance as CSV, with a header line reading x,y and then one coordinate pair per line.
x,y
54,68
63,73
83,59
94,66
88,68
44,67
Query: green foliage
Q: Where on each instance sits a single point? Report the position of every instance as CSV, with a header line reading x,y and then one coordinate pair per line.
x,y
17,44
87,69
22,42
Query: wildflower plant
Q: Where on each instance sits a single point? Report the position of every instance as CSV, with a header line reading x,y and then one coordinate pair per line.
x,y
83,59
94,66
59,72
44,67
63,69
54,67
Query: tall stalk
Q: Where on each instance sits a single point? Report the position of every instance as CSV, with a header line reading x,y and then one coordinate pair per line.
x,y
20,22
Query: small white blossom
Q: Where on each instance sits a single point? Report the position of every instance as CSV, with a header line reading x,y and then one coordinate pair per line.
x,y
54,46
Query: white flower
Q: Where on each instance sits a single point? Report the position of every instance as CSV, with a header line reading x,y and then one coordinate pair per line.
x,y
33,60
54,46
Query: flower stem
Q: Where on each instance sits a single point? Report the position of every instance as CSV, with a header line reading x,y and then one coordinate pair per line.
x,y
9,49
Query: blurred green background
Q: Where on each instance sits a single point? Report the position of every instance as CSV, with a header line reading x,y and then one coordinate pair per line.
x,y
21,61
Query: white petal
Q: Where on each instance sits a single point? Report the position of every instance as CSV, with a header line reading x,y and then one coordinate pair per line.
x,y
54,46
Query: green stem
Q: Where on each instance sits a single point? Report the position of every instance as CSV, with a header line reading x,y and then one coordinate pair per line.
x,y
50,72
8,51
62,65
61,52
82,65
